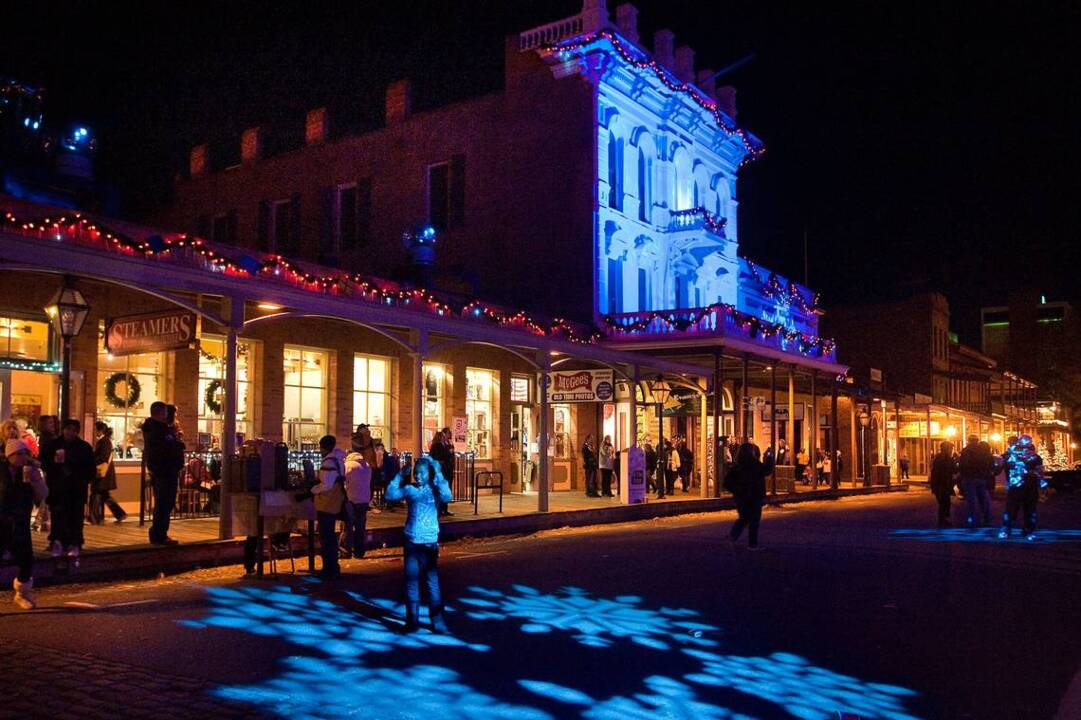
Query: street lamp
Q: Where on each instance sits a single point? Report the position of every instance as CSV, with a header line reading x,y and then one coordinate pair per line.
x,y
67,311
865,423
661,390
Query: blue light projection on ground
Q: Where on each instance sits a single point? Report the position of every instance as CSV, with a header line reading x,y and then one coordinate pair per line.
x,y
985,535
362,665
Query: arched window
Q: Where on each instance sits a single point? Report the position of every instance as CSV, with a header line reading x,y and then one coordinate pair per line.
x,y
645,185
615,172
682,179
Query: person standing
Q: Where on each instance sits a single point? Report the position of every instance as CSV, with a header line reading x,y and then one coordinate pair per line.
x,y
782,452
104,477
686,465
48,430
746,480
69,471
904,466
943,477
421,493
21,485
651,468
802,459
589,465
163,453
329,495
975,465
358,496
672,469
605,463
1024,478
442,451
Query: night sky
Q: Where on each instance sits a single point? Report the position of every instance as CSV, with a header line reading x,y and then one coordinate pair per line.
x,y
917,145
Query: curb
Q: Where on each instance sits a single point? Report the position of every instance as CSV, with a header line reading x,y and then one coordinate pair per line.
x,y
145,561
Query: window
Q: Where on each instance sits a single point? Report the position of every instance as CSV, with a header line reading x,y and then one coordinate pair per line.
x,y
353,209
520,388
645,186
561,432
305,418
643,290
478,411
615,286
282,222
25,340
211,382
115,389
371,395
434,389
446,193
223,228
615,172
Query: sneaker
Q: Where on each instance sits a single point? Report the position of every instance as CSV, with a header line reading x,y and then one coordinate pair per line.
x,y
24,596
57,549
1003,534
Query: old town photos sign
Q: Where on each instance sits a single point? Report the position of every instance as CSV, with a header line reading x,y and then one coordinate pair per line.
x,y
150,332
581,386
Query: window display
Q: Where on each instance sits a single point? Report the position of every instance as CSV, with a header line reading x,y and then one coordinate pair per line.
x,y
478,411
304,420
371,395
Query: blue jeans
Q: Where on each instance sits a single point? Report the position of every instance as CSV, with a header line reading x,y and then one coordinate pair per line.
x,y
356,524
422,560
977,501
328,542
164,502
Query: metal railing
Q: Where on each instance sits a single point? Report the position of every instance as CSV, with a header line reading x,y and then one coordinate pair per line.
x,y
490,484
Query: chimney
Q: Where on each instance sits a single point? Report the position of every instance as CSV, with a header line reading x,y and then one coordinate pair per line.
x,y
627,21
706,82
594,15
316,125
685,63
251,145
663,40
399,101
726,100
198,160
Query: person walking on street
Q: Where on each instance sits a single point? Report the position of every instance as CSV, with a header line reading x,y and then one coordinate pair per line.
x,y
69,471
421,493
975,465
746,480
943,477
1024,478
605,462
358,496
104,477
329,495
21,485
163,452
589,465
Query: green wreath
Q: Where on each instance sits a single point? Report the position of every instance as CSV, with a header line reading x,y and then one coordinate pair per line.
x,y
211,396
131,384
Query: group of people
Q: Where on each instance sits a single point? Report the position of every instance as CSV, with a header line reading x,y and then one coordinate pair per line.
x,y
603,460
974,471
54,475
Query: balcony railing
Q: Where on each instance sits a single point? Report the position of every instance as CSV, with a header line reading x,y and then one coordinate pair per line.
x,y
550,33
718,321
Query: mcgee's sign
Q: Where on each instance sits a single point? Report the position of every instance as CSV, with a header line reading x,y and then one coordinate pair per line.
x,y
581,386
150,332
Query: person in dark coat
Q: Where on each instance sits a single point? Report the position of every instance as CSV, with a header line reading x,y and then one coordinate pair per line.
x,y
163,452
590,465
686,465
69,471
943,477
746,480
20,485
104,484
975,465
651,467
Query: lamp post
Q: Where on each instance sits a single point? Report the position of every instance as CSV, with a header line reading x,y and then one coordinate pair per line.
x,y
67,311
865,422
661,390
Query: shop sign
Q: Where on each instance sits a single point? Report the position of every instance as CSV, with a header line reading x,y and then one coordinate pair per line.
x,y
782,412
519,389
581,386
150,332
458,430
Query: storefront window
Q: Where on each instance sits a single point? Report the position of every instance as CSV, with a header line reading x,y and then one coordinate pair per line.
x,y
212,382
434,389
24,341
561,429
371,395
305,418
127,386
478,411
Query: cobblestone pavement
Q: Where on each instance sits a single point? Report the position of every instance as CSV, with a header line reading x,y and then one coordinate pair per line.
x,y
57,684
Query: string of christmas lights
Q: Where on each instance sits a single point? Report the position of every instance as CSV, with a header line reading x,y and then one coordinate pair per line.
x,y
712,222
786,295
632,57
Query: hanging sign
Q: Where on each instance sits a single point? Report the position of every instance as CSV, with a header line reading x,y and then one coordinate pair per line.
x,y
150,332
459,430
581,386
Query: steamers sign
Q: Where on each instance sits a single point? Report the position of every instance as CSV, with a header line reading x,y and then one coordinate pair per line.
x,y
150,332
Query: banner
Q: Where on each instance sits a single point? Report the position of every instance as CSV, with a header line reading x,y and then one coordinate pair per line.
x,y
150,332
581,386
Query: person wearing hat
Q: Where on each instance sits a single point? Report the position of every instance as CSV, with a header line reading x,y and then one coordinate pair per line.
x,y
21,484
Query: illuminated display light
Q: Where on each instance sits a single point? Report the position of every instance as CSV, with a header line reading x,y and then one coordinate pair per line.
x,y
32,365
711,221
635,57
787,295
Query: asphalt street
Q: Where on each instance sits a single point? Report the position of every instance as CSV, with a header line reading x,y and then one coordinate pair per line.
x,y
854,608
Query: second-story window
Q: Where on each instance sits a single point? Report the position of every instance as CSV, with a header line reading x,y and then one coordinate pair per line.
x,y
615,172
279,226
446,193
223,228
353,212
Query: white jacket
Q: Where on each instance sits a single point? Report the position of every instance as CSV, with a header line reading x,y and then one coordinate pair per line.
x,y
329,471
358,479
